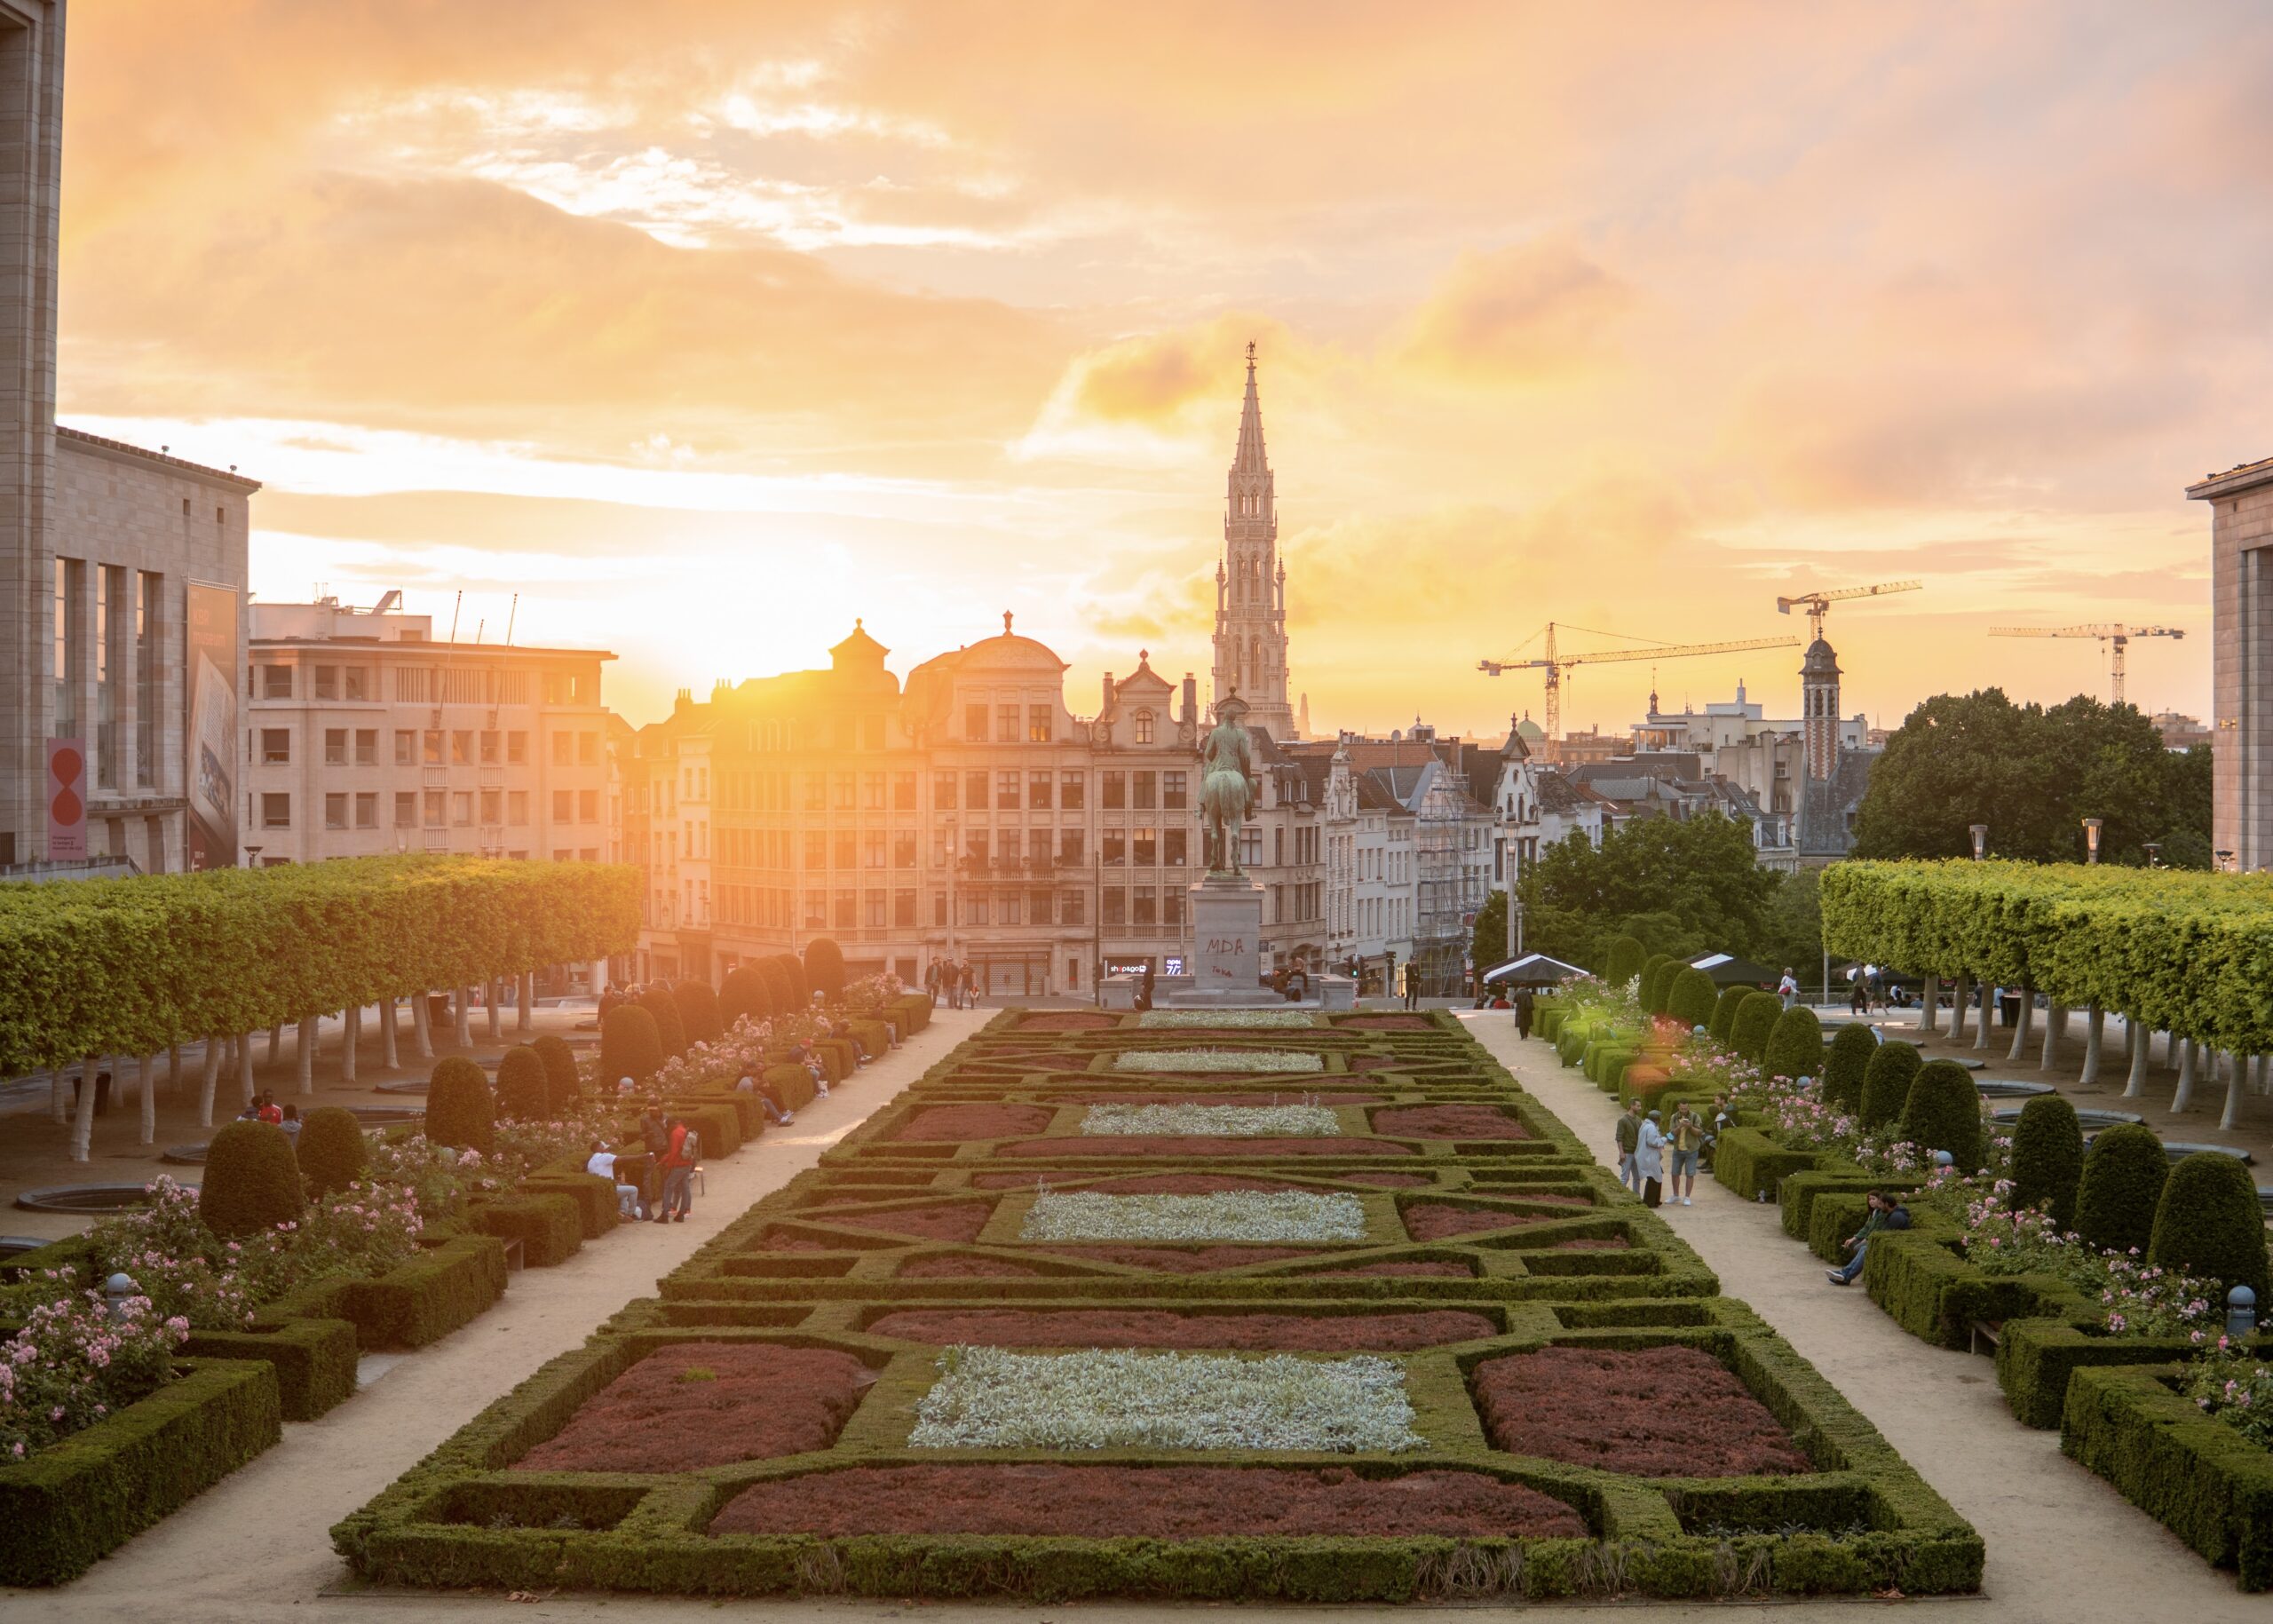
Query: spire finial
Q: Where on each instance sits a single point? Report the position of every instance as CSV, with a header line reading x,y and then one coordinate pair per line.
x,y
1006,623
1250,355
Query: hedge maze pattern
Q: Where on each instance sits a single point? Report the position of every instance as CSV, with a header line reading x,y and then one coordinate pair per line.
x,y
1488,1287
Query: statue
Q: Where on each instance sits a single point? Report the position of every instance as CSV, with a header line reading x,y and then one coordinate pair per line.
x,y
1228,788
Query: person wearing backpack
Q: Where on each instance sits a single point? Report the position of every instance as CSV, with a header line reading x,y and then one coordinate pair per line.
x,y
678,1162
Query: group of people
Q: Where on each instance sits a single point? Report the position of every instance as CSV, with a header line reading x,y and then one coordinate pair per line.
x,y
657,1184
1646,1144
264,1108
955,981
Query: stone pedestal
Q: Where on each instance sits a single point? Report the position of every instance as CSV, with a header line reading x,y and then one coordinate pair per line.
x,y
1226,968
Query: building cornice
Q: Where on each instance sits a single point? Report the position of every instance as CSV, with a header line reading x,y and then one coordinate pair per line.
x,y
119,451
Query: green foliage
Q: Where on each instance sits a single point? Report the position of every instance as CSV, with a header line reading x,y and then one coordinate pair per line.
x,y
251,1181
1845,1064
130,966
698,1011
1943,1112
2123,1178
2033,774
1795,1044
793,971
523,1089
562,1086
671,1032
549,1226
824,968
630,1046
1623,960
1793,937
1887,1077
331,1151
2048,1158
744,995
459,1110
1487,941
424,1300
2209,1223
790,1087
1657,985
1693,998
1724,1010
781,987
1681,887
1755,1018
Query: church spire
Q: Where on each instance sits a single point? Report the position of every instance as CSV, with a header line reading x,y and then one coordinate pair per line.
x,y
1249,459
1251,582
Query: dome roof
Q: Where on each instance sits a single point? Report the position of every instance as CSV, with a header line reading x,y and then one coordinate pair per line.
x,y
1819,660
1533,732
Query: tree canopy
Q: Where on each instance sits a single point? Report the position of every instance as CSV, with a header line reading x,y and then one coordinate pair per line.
x,y
1679,887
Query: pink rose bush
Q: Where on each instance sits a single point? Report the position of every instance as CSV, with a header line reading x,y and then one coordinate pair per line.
x,y
75,1361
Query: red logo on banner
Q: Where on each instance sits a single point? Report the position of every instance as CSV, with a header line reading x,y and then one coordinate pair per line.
x,y
67,798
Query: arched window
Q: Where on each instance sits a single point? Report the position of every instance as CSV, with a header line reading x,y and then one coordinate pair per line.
x,y
1144,727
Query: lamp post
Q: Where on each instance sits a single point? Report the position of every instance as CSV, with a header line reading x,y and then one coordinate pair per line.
x,y
2092,827
252,857
2154,851
952,860
1980,841
2225,859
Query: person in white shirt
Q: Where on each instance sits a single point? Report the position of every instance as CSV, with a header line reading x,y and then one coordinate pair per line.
x,y
602,1165
1789,988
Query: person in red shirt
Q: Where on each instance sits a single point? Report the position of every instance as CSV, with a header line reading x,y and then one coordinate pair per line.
x,y
270,1112
679,1176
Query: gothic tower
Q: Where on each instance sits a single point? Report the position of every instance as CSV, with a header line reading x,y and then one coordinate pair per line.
x,y
1820,705
1251,583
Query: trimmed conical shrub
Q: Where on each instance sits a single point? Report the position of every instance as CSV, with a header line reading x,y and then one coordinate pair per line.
x,y
1692,997
793,970
2208,1223
1886,1082
1795,1044
824,968
1849,1058
2048,1158
780,990
1725,1011
669,1031
251,1181
2123,1172
1943,1112
332,1152
1649,977
522,1087
698,1011
562,1088
1658,994
459,1110
744,995
1756,1018
1624,962
630,1046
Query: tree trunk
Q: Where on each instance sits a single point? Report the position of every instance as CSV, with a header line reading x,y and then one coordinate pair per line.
x,y
492,996
303,1057
388,1037
174,1071
2094,1034
209,1077
352,1019
244,1065
2020,1027
275,1042
1929,1017
2230,1118
145,1069
2055,1020
83,1121
525,1010
1959,993
55,1105
1988,1009
464,1018
421,1032
2134,1085
2184,1098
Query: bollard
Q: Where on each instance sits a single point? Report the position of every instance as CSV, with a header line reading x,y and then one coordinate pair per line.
x,y
1943,1159
2241,1313
115,1291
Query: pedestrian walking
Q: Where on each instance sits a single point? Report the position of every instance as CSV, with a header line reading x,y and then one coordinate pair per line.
x,y
1650,1160
1789,988
931,981
1525,1004
1629,1142
683,1150
1687,1138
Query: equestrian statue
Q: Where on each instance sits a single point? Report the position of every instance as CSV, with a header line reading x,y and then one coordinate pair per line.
x,y
1229,791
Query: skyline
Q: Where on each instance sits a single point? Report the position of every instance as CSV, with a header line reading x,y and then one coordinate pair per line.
x,y
881,314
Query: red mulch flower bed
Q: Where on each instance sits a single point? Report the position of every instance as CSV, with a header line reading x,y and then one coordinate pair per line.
x,y
960,1266
1161,1502
961,1122
1017,1061
1428,1222
1174,1260
1388,1023
1445,1269
1298,1097
1109,1328
960,1222
1069,1020
1379,1063
1651,1411
1450,1122
1211,1147
760,1400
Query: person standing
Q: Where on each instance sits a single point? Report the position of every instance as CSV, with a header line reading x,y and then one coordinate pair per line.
x,y
655,1138
1688,1138
1789,988
931,981
1523,1007
1629,1141
677,1163
1648,1159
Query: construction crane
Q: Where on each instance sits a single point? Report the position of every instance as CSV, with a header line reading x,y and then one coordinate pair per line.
x,y
1555,664
1818,604
2115,636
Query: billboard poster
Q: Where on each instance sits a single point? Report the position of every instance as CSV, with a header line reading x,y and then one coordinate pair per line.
x,y
67,798
210,692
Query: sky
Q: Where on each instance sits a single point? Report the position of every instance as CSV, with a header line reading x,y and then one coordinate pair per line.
x,y
707,328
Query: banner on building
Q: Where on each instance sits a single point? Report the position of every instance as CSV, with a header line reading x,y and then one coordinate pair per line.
x,y
67,798
210,691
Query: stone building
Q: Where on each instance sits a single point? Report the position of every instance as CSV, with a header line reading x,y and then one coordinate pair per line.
x,y
2241,662
1251,584
122,570
363,735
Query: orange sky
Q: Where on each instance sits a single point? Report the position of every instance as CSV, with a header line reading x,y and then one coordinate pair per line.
x,y
708,326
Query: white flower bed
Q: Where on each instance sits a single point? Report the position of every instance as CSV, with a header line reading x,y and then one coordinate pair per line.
x,y
1225,1020
1118,1398
1228,1121
1231,1215
1215,1060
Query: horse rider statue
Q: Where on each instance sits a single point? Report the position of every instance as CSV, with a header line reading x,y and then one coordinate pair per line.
x,y
1229,791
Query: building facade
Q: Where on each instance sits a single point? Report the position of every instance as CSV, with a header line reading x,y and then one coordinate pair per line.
x,y
2241,662
363,735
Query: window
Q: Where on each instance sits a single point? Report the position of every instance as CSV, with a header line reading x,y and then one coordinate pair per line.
x,y
462,746
1071,790
1071,905
276,746
564,805
367,810
588,749
275,812
903,909
1144,907
1038,785
903,851
1116,907
973,909
1006,848
1148,849
406,808
1115,790
355,683
335,811
437,808
1006,909
276,682
1006,791
1278,848
842,787
847,911
517,747
564,750
406,747
1069,849
334,746
366,747
433,747
1144,727
489,747
872,791
974,848
939,910
974,723
816,910
1113,848
974,790
326,682
816,848
1172,906
872,737
903,792
1172,847
1172,791
517,808
1038,725
943,792
816,792
462,808
491,803
1006,724
872,910
587,806
848,850
872,849
1144,784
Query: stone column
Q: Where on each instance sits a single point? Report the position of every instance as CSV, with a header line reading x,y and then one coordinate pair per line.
x,y
2184,1096
387,1036
207,1080
2095,1030
493,994
421,1036
306,1067
2020,1027
2134,1084
1929,1017
351,1021
1959,991
464,1018
525,1011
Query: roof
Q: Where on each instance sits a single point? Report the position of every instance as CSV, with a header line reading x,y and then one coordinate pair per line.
x,y
1557,793
2241,477
1249,458
1828,806
1819,660
1726,970
1531,970
119,447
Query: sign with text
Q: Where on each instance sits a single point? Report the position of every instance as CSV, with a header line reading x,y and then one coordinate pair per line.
x,y
67,798
209,777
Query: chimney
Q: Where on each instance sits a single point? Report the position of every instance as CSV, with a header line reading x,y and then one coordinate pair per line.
x,y
1108,710
1191,698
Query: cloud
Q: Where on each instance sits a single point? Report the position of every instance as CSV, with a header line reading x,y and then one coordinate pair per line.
x,y
1526,314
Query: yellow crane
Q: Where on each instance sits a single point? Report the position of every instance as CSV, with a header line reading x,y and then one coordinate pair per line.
x,y
1554,664
1818,604
2115,635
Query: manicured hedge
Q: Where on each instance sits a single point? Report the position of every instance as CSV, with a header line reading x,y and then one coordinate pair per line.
x,y
824,968
1749,1162
251,1182
523,1089
1943,1112
332,1153
1627,957
2209,1223
445,1286
1845,1063
1755,1018
630,1046
2122,1181
1794,1046
562,1085
1886,1081
791,1086
550,1227
744,995
1693,998
459,1111
595,1197
698,1011
314,1359
670,1030
2048,1158
67,1507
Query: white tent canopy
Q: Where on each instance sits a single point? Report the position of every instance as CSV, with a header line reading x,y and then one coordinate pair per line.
x,y
1533,968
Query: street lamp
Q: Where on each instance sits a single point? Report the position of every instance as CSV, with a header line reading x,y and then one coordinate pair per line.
x,y
1980,841
2225,859
950,821
2091,839
252,857
2154,851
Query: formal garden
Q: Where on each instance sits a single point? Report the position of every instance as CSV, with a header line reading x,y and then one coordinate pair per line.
x,y
1239,1306
2116,1283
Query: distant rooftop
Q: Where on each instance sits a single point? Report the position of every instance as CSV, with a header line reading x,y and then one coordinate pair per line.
x,y
221,476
